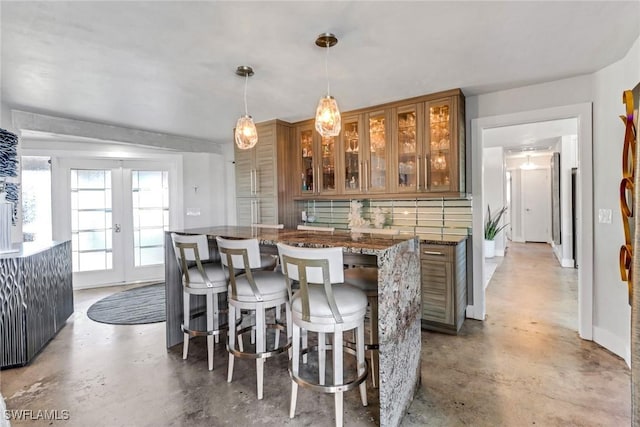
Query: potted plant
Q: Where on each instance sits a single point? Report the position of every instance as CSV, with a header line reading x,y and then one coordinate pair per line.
x,y
491,229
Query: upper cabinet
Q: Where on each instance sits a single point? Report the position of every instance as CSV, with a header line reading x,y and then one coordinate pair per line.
x,y
317,160
406,148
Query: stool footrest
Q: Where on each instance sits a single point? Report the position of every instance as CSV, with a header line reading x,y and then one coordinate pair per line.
x,y
329,388
199,333
265,354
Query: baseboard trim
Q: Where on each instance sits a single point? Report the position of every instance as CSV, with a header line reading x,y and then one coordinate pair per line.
x,y
613,343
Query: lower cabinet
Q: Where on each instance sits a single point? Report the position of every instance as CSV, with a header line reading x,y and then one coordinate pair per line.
x,y
444,286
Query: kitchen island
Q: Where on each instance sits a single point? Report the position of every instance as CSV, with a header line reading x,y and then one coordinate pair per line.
x,y
399,308
36,298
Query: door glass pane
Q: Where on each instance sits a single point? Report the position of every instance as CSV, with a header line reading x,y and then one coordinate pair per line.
x,y
91,219
150,193
36,198
378,152
439,146
407,150
328,163
306,144
351,156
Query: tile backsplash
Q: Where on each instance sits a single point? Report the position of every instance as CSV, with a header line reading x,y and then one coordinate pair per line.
x,y
445,216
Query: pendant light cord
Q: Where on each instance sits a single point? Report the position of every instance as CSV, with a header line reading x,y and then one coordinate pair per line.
x,y
326,70
246,79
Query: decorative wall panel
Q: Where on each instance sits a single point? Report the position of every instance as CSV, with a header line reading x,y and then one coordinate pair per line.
x,y
36,298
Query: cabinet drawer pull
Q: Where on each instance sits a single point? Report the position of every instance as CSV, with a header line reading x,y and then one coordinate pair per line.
x,y
433,253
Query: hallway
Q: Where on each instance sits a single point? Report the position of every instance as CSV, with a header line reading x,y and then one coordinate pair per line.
x,y
524,365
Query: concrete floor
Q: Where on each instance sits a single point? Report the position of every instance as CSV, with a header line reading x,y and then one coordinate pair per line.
x,y
524,365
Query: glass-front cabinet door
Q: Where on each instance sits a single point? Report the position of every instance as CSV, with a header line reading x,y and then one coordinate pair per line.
x,y
439,135
351,128
306,156
406,140
377,154
327,167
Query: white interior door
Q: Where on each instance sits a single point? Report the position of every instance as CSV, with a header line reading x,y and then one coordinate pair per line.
x,y
536,200
118,212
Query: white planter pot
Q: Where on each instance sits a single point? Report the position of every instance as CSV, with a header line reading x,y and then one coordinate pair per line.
x,y
489,248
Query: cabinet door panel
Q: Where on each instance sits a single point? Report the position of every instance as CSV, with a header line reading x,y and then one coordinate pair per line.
x,y
305,159
406,141
244,172
244,211
351,142
441,161
378,153
437,292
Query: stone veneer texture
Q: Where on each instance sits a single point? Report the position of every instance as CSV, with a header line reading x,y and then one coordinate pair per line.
x,y
399,329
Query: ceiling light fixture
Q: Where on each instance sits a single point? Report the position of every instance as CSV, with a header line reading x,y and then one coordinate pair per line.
x,y
328,121
528,165
246,134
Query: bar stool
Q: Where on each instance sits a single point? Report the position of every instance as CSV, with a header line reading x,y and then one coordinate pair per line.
x,y
326,306
206,279
366,279
254,290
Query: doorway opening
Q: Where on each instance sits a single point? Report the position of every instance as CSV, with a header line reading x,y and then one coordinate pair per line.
x,y
482,129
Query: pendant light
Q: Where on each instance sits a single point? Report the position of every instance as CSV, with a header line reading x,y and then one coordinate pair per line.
x,y
328,121
528,165
246,135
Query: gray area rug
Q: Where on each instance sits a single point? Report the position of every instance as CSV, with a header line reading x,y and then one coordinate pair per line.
x,y
135,306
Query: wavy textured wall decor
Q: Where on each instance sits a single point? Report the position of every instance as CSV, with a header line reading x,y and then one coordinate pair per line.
x,y
627,188
9,168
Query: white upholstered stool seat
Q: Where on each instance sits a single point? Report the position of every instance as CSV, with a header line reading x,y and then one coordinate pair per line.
x,y
350,302
255,291
269,285
201,278
324,305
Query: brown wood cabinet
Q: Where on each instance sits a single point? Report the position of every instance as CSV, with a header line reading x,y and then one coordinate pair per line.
x,y
261,190
444,286
409,148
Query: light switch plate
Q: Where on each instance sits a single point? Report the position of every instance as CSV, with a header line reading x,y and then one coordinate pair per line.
x,y
604,216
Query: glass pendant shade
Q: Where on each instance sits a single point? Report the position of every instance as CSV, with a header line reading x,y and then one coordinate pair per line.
x,y
246,133
328,121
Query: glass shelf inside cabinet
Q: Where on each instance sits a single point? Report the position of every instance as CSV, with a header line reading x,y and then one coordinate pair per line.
x,y
306,145
439,127
351,156
407,149
328,163
378,152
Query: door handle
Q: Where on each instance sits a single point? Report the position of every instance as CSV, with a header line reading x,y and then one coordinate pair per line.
x,y
116,228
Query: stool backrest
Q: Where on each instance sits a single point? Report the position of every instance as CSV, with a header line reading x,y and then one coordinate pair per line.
x,y
240,254
312,266
190,248
252,250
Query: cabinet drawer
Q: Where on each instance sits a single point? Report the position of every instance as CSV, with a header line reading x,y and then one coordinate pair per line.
x,y
437,252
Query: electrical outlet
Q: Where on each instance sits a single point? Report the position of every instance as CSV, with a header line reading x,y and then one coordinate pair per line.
x,y
604,216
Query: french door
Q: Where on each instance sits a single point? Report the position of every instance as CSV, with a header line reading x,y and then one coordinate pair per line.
x,y
118,212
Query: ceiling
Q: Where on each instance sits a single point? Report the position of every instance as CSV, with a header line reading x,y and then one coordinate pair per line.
x,y
539,138
169,66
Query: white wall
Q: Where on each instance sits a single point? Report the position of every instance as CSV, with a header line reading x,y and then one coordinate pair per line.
x,y
494,188
611,313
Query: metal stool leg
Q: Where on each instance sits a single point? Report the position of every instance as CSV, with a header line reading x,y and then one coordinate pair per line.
x,y
338,376
295,367
232,341
260,346
361,362
186,311
210,323
322,357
